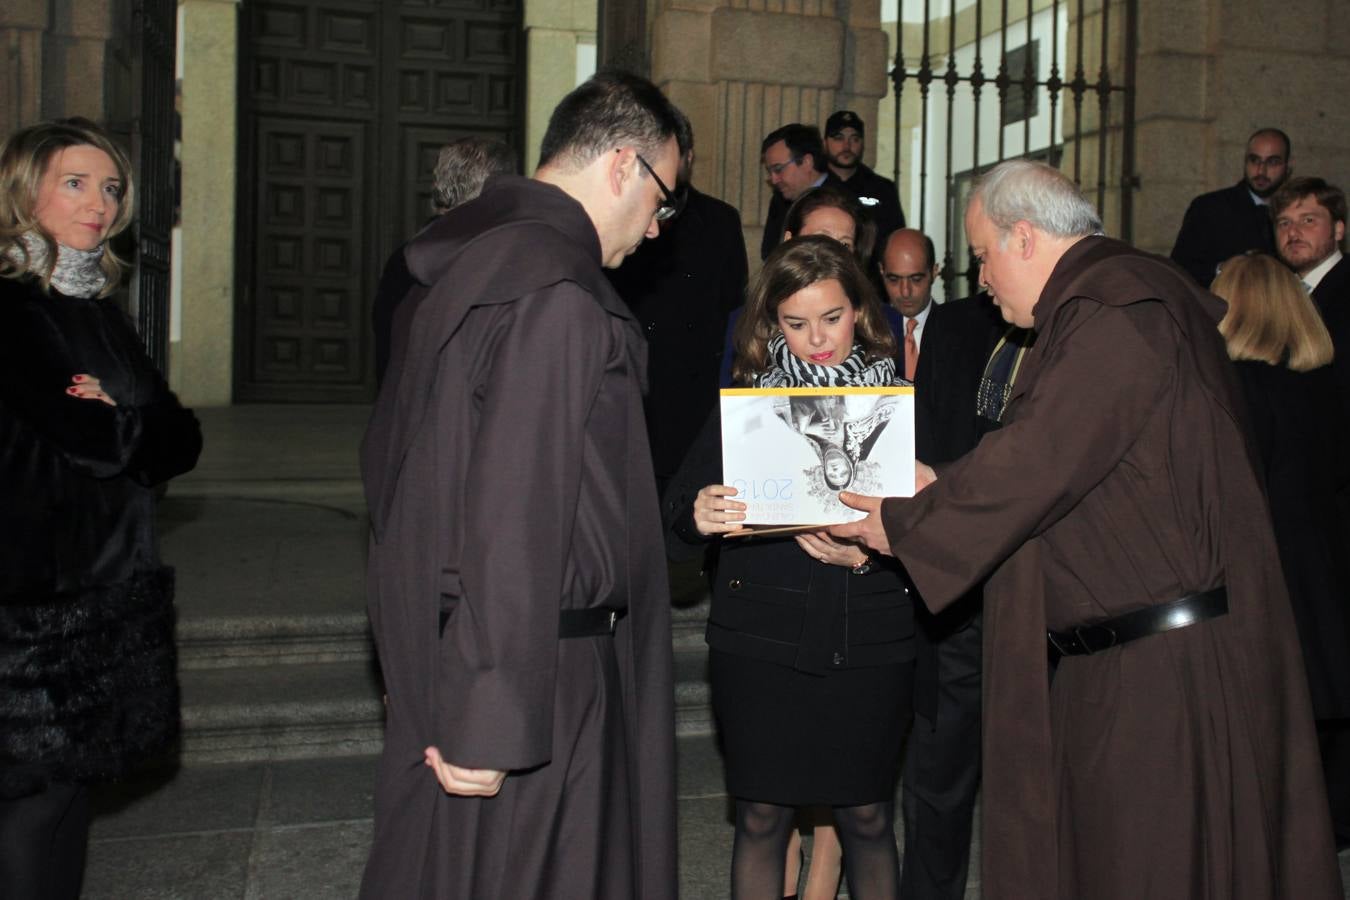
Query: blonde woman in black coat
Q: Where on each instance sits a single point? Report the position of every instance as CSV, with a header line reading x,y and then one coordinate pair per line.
x,y
87,428
1283,354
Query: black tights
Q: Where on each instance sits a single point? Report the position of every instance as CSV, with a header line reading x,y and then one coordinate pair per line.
x,y
42,843
866,834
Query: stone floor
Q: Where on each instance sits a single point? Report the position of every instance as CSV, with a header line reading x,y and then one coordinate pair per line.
x,y
295,830
301,829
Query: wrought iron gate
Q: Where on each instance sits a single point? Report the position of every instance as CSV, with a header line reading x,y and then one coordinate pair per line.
x,y
1025,79
152,138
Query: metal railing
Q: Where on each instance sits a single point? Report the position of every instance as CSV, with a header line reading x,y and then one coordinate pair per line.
x,y
1018,89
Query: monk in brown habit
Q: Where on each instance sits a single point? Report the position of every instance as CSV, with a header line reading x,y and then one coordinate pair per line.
x,y
1117,513
517,586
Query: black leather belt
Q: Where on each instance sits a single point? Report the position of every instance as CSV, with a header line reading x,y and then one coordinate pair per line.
x,y
1097,636
575,623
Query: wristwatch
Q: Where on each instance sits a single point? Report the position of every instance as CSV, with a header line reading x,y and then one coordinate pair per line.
x,y
863,567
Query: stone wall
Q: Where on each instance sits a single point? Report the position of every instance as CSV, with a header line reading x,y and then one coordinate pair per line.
x,y
1208,73
65,58
1213,71
554,32
741,68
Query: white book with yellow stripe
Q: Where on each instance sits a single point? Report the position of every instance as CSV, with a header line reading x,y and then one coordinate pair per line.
x,y
788,452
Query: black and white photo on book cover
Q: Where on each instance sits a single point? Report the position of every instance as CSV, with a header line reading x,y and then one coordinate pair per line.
x,y
790,451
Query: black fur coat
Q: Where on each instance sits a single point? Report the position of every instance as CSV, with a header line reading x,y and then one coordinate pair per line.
x,y
87,680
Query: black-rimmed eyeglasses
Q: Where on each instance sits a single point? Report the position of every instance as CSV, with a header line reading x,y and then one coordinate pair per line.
x,y
671,204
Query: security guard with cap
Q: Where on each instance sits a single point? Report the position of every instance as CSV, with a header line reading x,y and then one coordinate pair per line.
x,y
844,133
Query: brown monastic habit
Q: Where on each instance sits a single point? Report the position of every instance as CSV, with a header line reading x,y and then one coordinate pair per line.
x,y
508,478
1183,764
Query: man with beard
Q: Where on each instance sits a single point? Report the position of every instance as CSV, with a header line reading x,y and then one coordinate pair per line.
x,y
1124,532
1224,223
1309,217
844,152
1310,227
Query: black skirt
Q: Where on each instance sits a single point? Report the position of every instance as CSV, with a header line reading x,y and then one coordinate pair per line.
x,y
809,740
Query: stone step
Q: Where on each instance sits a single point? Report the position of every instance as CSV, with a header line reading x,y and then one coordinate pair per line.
x,y
224,641
250,713
693,715
266,712
213,642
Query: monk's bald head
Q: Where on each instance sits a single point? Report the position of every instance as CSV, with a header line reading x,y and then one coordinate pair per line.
x,y
908,268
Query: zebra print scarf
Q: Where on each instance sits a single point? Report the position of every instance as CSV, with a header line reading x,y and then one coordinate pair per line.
x,y
786,370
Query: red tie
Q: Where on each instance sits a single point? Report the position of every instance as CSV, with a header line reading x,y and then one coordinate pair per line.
x,y
911,349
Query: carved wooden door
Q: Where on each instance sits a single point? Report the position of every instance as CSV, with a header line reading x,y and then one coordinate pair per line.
x,y
346,103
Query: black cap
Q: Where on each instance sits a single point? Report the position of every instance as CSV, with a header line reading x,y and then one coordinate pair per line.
x,y
844,118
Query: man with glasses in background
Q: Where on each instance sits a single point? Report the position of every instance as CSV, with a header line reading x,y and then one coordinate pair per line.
x,y
794,162
1223,223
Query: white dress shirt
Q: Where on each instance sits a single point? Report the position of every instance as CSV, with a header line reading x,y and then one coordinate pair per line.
x,y
1314,278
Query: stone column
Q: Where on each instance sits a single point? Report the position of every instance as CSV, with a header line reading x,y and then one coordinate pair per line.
x,y
554,29
65,58
741,68
81,75
202,360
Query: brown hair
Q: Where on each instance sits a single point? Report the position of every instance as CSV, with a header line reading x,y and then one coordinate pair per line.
x,y
827,196
1328,196
792,266
1270,317
23,164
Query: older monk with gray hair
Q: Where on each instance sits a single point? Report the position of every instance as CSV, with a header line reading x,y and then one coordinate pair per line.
x,y
1129,555
463,166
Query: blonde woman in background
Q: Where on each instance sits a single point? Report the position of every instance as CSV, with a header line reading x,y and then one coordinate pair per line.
x,y
1282,352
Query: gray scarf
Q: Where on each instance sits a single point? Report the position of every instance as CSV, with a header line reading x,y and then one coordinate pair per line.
x,y
77,272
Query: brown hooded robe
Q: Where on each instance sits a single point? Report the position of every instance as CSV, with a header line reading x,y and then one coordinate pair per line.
x,y
508,477
1179,765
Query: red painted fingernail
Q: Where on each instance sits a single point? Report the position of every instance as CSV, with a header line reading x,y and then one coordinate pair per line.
x,y
77,378
70,390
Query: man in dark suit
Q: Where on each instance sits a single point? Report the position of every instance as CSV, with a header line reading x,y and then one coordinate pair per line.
x,y
908,268
946,346
1309,216
794,160
1224,223
681,289
844,140
942,759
